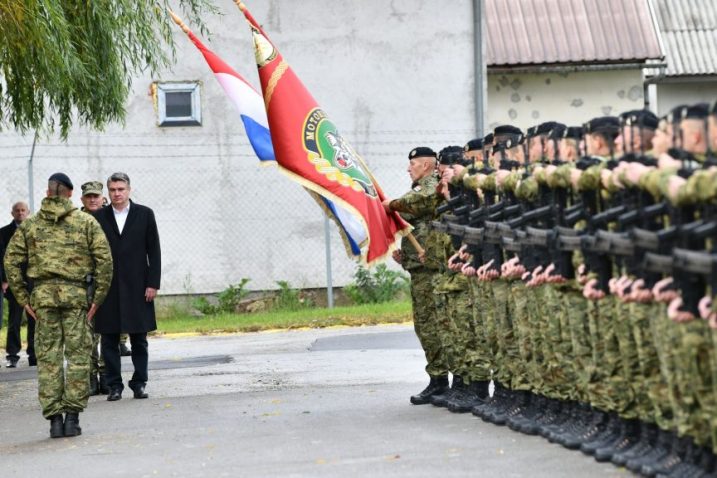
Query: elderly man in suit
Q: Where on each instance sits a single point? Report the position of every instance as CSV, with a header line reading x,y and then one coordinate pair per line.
x,y
132,233
20,212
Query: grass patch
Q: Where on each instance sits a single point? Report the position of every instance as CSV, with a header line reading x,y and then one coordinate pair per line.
x,y
176,321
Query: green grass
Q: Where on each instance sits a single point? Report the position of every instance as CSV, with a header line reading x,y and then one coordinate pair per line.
x,y
177,322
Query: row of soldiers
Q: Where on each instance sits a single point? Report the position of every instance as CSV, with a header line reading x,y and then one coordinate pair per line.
x,y
574,267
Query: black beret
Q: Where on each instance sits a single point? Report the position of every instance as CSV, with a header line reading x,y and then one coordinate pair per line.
x,y
642,118
698,111
573,132
603,124
543,128
450,155
488,139
421,152
475,144
63,179
557,131
507,129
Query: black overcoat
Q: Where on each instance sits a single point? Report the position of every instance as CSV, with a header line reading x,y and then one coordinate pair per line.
x,y
137,265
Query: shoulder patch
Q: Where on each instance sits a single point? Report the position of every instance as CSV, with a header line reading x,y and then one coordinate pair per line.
x,y
417,188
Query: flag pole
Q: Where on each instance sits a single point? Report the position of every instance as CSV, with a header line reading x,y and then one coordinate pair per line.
x,y
421,251
178,21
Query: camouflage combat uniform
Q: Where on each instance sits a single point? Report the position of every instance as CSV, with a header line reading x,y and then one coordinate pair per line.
x,y
62,246
417,207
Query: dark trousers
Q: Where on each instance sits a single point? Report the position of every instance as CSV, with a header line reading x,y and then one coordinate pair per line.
x,y
14,320
113,364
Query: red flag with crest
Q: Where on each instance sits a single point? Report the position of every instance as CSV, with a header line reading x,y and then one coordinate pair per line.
x,y
310,149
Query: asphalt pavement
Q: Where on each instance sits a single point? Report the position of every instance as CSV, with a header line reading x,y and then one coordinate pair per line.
x,y
305,403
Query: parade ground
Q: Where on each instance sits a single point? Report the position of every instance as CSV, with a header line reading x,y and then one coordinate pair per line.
x,y
304,403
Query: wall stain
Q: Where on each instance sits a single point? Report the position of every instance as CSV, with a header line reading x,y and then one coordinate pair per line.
x,y
576,103
635,93
515,98
535,114
512,113
621,94
606,110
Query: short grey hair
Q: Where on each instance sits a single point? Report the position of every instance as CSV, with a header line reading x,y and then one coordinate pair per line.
x,y
114,177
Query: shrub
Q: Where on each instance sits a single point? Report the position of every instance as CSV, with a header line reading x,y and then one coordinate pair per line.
x,y
382,285
228,299
291,299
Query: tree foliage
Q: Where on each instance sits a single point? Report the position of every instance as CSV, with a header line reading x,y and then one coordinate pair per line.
x,y
65,61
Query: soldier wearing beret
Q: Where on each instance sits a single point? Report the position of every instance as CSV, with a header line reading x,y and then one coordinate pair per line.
x,y
62,247
417,207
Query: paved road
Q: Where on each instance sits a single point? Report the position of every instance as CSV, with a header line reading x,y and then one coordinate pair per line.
x,y
331,402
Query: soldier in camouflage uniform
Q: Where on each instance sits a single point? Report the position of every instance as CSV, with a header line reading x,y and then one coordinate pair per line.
x,y
417,207
91,202
62,247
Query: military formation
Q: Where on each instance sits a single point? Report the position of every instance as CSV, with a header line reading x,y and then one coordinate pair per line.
x,y
574,267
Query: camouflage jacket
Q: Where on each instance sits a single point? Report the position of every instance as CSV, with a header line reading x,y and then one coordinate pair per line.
x,y
418,207
61,246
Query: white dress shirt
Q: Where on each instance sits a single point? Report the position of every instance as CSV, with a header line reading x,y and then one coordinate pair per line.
x,y
121,217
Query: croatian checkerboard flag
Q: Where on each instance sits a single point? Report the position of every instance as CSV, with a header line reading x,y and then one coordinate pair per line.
x,y
250,105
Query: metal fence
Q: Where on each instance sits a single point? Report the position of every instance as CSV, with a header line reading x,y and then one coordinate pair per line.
x,y
221,216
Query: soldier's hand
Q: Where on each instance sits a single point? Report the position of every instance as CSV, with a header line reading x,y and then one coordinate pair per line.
x,y
396,254
4,287
91,313
422,257
29,311
150,293
387,205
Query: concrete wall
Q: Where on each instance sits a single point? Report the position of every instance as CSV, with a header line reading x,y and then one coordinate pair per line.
x,y
391,75
571,98
677,93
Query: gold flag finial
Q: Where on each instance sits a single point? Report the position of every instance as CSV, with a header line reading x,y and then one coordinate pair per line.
x,y
178,21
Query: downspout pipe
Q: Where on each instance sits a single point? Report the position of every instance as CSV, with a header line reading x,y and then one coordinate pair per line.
x,y
480,68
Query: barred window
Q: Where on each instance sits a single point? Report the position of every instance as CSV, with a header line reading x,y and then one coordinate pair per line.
x,y
179,104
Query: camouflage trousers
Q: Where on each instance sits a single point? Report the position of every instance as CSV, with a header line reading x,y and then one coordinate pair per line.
x,y
664,394
559,376
63,334
463,351
486,326
483,361
605,369
526,376
508,353
695,380
581,348
650,407
98,362
427,321
625,378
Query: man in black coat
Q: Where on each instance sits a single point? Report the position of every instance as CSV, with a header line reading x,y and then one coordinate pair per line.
x,y
20,211
129,307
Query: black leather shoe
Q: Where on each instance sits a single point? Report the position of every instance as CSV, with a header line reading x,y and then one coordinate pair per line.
x,y
56,427
32,361
124,350
11,363
72,425
114,395
139,392
94,385
436,386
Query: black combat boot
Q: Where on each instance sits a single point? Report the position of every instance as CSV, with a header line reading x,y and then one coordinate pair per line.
x,y
662,447
473,394
94,385
519,407
646,443
56,428
499,414
570,433
524,422
690,465
670,461
629,437
436,386
481,408
609,434
441,400
596,427
553,414
72,425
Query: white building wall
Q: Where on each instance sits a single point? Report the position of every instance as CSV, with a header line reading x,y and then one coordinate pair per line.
x,y
571,98
685,92
391,75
